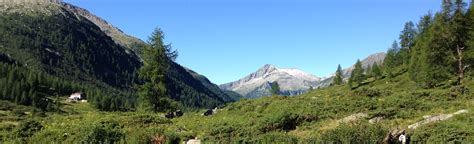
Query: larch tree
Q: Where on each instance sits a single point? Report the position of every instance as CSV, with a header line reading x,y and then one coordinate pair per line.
x,y
152,93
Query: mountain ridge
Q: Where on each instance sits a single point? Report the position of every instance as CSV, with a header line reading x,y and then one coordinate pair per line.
x,y
291,81
257,84
70,46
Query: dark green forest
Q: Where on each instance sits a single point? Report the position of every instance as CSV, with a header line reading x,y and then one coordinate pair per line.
x,y
72,51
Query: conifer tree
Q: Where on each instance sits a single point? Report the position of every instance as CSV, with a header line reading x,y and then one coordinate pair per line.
x,y
338,78
407,36
156,62
275,88
357,75
469,52
424,23
391,59
376,72
431,64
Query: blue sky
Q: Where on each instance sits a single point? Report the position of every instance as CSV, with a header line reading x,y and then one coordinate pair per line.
x,y
228,39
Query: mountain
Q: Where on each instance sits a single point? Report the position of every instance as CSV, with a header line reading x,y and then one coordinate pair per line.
x,y
257,84
71,44
291,81
115,33
366,62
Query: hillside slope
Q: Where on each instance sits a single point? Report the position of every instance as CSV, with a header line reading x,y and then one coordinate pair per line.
x,y
333,114
58,40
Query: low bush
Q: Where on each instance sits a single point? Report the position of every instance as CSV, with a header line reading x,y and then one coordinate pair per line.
x,y
355,133
104,132
27,129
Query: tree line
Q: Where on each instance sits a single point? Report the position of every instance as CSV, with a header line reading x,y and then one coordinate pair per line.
x,y
436,51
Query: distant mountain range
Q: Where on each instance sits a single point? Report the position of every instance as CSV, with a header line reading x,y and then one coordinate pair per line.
x,y
291,81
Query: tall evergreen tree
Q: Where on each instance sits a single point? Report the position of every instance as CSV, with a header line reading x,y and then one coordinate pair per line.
x,y
357,75
376,71
338,79
391,59
469,52
407,36
407,41
432,63
447,9
424,23
459,27
152,93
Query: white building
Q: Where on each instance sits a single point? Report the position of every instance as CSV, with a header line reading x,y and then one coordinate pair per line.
x,y
76,97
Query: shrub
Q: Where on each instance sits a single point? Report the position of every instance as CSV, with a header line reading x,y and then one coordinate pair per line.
x,y
104,132
370,92
28,128
283,121
276,137
355,133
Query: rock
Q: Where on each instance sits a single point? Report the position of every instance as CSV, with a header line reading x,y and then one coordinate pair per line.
x,y
193,141
432,119
169,115
207,113
175,114
178,113
461,112
375,120
354,117
426,116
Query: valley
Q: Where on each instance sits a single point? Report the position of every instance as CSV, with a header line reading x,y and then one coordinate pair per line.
x,y
69,76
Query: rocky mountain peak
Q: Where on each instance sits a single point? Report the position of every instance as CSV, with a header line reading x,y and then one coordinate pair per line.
x,y
266,69
291,81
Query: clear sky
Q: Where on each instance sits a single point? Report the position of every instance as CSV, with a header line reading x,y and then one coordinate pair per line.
x,y
225,40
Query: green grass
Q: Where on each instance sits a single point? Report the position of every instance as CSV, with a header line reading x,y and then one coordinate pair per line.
x,y
311,117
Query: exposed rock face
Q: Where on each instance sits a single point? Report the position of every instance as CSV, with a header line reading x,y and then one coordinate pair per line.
x,y
371,59
353,117
116,34
436,118
257,84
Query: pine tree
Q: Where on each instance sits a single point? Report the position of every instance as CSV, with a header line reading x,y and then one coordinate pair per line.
x,y
357,75
338,78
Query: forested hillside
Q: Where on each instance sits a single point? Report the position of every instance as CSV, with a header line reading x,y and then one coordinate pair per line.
x,y
63,48
423,91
